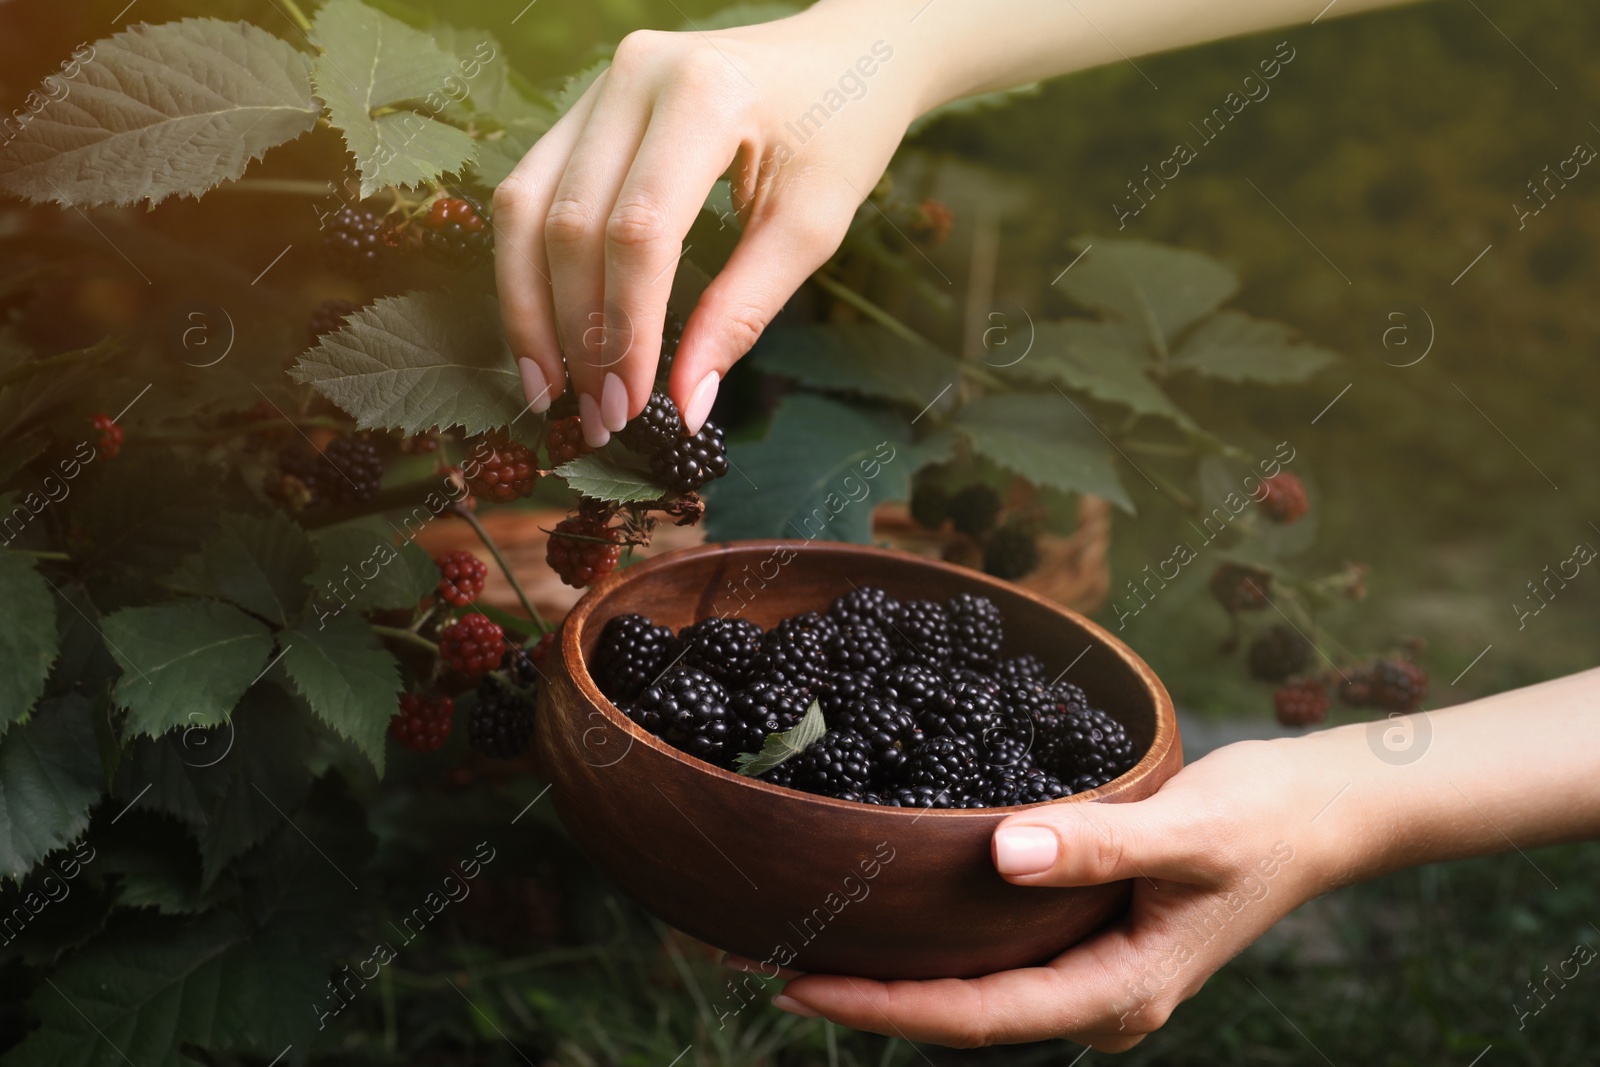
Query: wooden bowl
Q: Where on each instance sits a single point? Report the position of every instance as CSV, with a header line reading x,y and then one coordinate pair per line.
x,y
809,882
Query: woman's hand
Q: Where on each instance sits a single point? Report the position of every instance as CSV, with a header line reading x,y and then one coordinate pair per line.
x,y
806,111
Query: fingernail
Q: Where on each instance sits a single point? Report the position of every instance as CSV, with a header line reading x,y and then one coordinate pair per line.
x,y
595,434
793,1006
700,401
1024,849
534,388
614,403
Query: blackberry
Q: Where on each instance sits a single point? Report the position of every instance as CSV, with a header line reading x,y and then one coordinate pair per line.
x,y
1036,786
655,428
974,510
456,232
687,708
474,645
1024,668
631,653
965,711
350,473
826,627
1355,688
1241,587
564,440
423,722
500,470
930,505
1068,697
351,243
461,577
914,687
948,766
860,647
925,796
1009,744
671,334
842,688
839,763
998,786
328,317
1277,652
797,658
920,633
110,432
1301,703
725,648
976,631
889,730
762,708
1091,744
690,462
501,722
522,664
582,550
1398,685
865,604
1012,552
1285,501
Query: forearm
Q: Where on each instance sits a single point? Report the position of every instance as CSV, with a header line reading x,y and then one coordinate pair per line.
x,y
1516,770
961,47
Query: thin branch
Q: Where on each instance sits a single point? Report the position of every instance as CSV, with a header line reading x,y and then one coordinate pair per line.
x,y
505,568
395,633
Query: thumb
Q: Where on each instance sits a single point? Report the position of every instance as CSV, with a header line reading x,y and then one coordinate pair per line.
x,y
1067,843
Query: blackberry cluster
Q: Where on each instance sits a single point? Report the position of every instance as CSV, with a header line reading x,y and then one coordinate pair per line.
x,y
1277,652
461,577
582,550
565,440
687,463
455,232
961,726
655,428
352,470
1390,684
473,645
501,470
352,244
501,723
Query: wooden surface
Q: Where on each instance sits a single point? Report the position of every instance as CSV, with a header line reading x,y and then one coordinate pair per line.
x,y
771,873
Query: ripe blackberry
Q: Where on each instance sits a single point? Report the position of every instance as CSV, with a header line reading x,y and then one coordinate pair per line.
x,y
521,667
1090,744
797,658
455,232
473,645
841,762
110,435
655,428
1398,685
687,463
564,439
687,708
1355,688
1010,743
1036,786
1285,500
1068,697
582,550
1241,587
930,505
350,472
631,653
825,626
925,796
499,470
762,708
920,633
976,631
1277,652
1301,703
1012,552
501,722
889,730
351,242
1024,668
461,577
948,766
914,686
839,689
328,317
423,722
974,510
725,648
865,604
963,710
858,647
671,334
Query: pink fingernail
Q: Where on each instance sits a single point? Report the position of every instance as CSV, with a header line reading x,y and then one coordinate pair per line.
x,y
793,1007
595,434
614,403
700,401
534,388
1024,849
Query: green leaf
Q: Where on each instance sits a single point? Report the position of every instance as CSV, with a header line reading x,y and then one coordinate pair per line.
x,y
156,864
346,555
351,682
1046,440
1156,289
782,746
1235,347
409,363
487,73
601,477
28,639
574,87
858,357
821,470
49,778
184,663
259,563
161,110
1097,359
499,154
372,63
143,519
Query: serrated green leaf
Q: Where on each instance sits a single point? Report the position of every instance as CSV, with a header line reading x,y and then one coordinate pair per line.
x,y
857,357
372,62
601,477
819,473
258,562
1235,347
412,362
499,154
161,110
351,682
780,747
487,73
1046,440
1156,289
184,663
1096,358
360,568
156,865
28,639
49,778
574,87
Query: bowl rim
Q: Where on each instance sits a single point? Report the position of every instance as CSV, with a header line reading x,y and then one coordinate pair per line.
x,y
1166,726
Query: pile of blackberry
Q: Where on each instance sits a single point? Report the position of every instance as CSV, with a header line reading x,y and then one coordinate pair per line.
x,y
922,708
